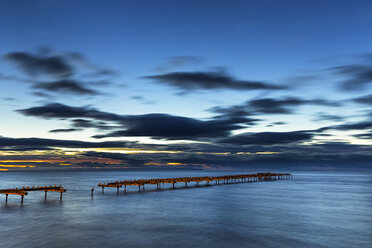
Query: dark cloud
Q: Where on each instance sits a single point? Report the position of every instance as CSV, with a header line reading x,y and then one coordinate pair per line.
x,y
271,106
62,73
209,80
359,76
165,126
364,99
235,119
66,130
101,125
83,123
269,138
284,106
362,125
277,123
40,94
328,117
40,65
36,143
161,126
328,155
57,110
364,135
142,99
69,86
288,153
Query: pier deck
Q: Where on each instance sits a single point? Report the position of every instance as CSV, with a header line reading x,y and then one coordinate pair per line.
x,y
23,191
227,179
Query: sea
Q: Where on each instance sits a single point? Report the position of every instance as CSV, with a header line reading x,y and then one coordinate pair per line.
x,y
313,209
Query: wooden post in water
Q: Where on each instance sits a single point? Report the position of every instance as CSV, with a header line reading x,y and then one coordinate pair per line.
x,y
91,192
60,196
6,198
22,199
45,195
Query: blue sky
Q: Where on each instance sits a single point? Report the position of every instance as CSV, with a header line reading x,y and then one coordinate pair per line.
x,y
188,59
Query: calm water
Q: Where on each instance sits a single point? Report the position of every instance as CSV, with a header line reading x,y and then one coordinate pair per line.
x,y
314,209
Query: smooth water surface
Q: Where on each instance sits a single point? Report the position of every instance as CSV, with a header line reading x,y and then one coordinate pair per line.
x,y
314,209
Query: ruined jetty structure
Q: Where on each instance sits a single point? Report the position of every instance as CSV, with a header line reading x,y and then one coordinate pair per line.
x,y
140,183
207,180
23,191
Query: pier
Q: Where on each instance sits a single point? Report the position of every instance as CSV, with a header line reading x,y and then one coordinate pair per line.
x,y
23,191
207,180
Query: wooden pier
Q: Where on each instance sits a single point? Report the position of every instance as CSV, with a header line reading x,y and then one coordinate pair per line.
x,y
227,179
23,191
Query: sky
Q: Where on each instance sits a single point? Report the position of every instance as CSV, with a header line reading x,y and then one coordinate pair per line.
x,y
185,84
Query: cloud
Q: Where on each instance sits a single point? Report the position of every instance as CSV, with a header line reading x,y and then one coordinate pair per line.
x,y
362,125
171,127
359,76
284,106
83,123
209,80
271,106
67,130
61,73
40,65
294,156
6,142
161,126
268,138
364,99
57,110
364,135
277,123
69,86
328,117
288,154
142,99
